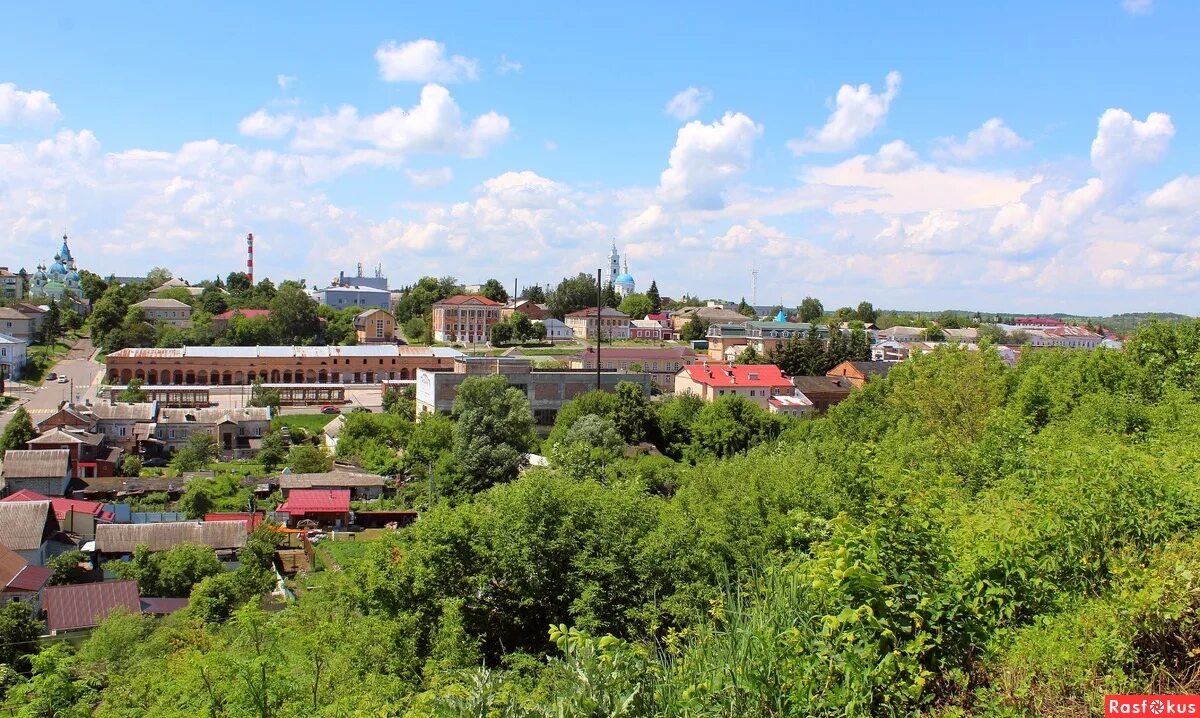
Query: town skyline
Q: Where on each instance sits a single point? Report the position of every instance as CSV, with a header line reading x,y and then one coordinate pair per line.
x,y
1060,179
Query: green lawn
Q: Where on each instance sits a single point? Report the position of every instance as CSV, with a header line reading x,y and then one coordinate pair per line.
x,y
241,468
346,552
312,423
41,358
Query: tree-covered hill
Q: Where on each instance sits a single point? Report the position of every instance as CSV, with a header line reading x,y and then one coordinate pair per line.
x,y
959,539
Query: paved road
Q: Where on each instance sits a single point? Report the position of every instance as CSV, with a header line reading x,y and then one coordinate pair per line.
x,y
83,376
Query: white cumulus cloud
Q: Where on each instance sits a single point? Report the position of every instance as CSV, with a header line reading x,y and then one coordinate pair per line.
x,y
989,138
707,159
21,108
285,81
687,103
264,125
857,113
895,156
1123,145
423,60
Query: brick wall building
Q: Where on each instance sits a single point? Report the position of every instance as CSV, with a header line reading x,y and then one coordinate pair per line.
x,y
465,318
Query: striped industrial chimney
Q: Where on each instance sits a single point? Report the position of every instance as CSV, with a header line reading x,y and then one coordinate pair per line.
x,y
250,258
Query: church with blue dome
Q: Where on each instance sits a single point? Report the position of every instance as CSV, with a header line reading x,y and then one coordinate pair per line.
x,y
58,281
621,278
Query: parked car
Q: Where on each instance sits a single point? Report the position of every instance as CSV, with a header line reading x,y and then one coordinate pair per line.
x,y
330,409
63,380
51,376
155,462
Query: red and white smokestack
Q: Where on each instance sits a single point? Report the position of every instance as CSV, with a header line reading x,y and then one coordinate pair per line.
x,y
250,257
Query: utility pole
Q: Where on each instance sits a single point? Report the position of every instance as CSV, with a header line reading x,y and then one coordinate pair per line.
x,y
599,306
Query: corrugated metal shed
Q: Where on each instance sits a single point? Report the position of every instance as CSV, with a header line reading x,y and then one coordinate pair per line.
x,y
124,538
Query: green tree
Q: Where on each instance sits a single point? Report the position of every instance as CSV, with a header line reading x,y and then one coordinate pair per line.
x,y
401,401
572,294
494,431
695,329
431,437
418,330
238,284
131,465
213,300
294,318
610,298
745,309
261,396
866,312
495,291
273,452
416,301
18,635
199,451
632,415
19,431
158,276
731,425
810,309
133,392
171,573
92,285
309,459
106,315
588,448
68,568
637,306
51,326
655,299
534,293
500,334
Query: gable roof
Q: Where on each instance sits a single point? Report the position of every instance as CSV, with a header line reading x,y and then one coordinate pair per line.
x,y
822,385
330,479
125,411
35,463
252,521
24,525
459,299
738,375
12,314
866,368
17,574
590,312
309,501
68,411
213,415
87,604
124,538
62,506
59,436
161,303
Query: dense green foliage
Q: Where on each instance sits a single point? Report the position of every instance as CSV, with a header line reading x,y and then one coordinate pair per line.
x,y
19,432
958,539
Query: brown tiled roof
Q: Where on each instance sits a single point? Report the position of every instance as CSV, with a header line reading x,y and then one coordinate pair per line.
x,y
35,463
124,538
87,604
331,479
25,524
468,299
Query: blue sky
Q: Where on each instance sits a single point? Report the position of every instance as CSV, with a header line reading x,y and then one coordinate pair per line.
x,y
949,155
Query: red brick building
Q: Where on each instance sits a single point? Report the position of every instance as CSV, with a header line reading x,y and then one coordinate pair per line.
x,y
465,318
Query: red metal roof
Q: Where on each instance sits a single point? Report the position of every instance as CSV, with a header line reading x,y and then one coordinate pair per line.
x,y
86,604
316,501
252,520
469,299
62,506
748,375
25,495
17,575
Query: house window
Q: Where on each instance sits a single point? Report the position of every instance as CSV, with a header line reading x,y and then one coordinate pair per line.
x,y
171,434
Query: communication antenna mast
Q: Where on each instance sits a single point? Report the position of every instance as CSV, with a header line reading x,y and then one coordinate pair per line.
x,y
754,286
